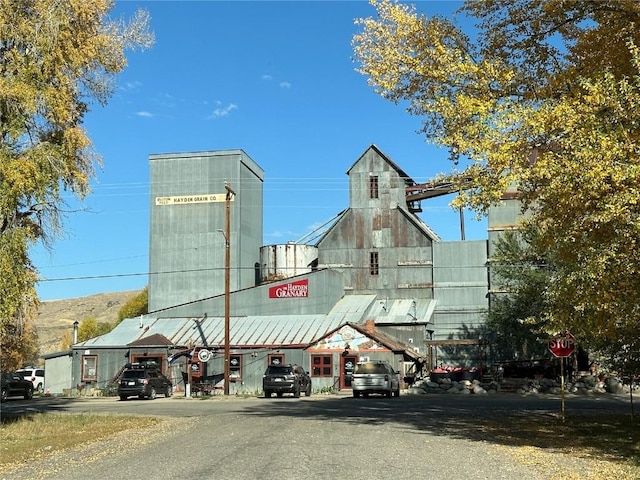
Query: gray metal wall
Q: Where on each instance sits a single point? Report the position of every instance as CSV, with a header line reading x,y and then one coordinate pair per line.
x,y
503,216
381,225
461,287
325,289
186,245
57,377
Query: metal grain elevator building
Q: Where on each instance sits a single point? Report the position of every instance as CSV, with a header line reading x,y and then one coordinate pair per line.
x,y
187,226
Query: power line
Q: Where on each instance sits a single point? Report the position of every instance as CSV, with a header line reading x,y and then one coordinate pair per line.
x,y
211,269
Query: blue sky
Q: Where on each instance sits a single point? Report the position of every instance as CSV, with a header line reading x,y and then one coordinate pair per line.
x,y
275,79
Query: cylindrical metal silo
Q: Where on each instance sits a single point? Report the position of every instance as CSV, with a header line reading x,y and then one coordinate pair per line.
x,y
286,260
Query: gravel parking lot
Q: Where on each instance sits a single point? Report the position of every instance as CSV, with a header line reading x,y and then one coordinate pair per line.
x,y
322,437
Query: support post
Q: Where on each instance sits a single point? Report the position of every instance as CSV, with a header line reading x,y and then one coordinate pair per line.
x,y
227,280
562,385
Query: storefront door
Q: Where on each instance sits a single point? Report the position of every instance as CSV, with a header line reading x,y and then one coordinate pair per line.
x,y
347,365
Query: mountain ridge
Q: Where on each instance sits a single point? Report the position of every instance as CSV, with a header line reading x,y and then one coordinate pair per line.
x,y
55,317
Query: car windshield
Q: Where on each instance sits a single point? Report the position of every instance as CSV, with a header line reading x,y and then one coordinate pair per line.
x,y
279,370
370,368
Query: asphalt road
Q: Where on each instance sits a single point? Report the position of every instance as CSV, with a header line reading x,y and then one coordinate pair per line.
x,y
321,437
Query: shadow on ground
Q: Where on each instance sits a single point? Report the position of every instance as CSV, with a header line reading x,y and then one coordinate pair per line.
x,y
597,427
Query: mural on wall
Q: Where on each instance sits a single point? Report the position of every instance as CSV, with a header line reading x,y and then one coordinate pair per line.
x,y
347,338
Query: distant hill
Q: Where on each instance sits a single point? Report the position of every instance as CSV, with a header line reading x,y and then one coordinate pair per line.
x,y
57,316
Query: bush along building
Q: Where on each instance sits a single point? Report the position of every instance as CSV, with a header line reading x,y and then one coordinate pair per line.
x,y
379,284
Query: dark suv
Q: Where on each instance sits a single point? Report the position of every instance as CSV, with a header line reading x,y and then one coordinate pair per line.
x,y
281,379
13,385
143,381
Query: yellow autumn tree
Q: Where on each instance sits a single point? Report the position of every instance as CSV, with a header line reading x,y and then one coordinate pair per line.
x,y
542,94
56,57
87,329
135,306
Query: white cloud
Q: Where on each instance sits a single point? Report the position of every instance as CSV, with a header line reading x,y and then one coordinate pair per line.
x,y
266,77
129,86
145,114
285,85
223,111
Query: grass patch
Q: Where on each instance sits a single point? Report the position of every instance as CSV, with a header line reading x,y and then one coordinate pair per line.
x,y
23,438
601,446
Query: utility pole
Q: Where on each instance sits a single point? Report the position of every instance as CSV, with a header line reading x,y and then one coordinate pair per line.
x,y
227,279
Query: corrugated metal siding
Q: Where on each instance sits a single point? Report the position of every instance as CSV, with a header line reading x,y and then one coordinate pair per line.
x,y
325,289
186,250
383,225
461,287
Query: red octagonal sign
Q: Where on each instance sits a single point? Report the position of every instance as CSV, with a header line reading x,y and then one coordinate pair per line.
x,y
563,345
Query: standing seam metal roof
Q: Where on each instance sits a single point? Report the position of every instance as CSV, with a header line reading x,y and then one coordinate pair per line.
x,y
245,331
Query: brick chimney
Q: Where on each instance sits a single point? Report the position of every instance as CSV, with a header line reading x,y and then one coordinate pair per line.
x,y
370,325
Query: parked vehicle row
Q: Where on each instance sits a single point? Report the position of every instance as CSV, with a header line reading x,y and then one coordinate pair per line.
x,y
147,381
35,375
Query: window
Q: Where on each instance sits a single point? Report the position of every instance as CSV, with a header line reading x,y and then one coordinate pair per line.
x,y
372,367
275,359
235,367
89,368
373,263
321,365
373,186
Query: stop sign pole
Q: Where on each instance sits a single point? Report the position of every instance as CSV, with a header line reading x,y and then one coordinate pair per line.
x,y
562,346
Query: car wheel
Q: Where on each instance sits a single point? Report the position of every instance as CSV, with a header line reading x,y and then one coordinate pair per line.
x,y
365,394
267,394
279,394
4,395
168,392
296,392
40,388
123,398
152,394
396,393
356,394
389,393
307,393
28,393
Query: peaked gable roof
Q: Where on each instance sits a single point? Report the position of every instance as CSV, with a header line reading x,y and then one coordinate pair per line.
x,y
155,340
393,344
381,338
393,165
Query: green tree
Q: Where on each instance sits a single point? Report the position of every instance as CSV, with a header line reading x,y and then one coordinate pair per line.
x,y
136,306
517,314
544,95
56,57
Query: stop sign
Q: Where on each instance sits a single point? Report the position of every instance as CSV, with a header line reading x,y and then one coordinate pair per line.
x,y
563,345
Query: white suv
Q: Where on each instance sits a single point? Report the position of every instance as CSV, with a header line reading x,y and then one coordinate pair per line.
x,y
375,377
34,375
